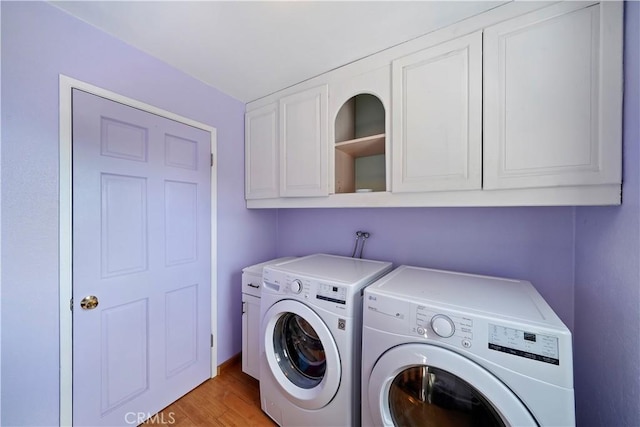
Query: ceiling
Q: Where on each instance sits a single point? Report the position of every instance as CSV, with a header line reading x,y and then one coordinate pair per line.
x,y
249,49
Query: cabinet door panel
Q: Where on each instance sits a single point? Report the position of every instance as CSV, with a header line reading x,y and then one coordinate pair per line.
x,y
547,117
261,153
303,144
437,102
250,335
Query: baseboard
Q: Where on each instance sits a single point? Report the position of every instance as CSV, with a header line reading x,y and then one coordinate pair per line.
x,y
229,363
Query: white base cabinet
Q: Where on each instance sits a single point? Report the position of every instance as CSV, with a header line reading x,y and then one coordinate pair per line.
x,y
251,289
250,335
251,286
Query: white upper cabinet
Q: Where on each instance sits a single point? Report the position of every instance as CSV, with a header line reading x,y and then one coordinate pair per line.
x,y
358,120
518,106
437,117
553,98
261,153
304,168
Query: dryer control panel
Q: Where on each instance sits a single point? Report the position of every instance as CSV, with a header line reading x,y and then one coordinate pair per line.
x,y
502,322
479,335
418,320
535,346
455,328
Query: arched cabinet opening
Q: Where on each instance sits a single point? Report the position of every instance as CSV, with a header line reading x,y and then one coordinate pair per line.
x,y
360,145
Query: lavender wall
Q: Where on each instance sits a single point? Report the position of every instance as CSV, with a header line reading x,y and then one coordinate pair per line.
x,y
535,244
38,43
607,286
532,243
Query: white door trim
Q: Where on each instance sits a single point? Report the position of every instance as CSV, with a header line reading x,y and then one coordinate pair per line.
x,y
65,228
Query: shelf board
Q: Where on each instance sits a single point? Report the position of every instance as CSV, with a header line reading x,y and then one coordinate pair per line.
x,y
588,195
361,147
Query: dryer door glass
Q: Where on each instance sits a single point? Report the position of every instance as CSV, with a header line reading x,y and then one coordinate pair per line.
x,y
424,395
299,351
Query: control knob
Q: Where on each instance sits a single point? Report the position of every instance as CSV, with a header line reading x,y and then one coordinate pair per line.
x,y
442,326
296,286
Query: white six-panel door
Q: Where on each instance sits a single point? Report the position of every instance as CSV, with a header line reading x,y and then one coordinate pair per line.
x,y
141,247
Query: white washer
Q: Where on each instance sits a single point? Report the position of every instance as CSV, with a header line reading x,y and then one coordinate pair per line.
x,y
311,329
445,348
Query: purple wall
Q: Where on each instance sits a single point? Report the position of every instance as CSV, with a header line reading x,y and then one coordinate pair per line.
x,y
547,246
39,42
535,244
607,286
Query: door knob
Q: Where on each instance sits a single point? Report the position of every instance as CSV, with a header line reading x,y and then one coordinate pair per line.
x,y
89,303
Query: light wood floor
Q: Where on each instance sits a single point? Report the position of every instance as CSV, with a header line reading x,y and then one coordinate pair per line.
x,y
230,399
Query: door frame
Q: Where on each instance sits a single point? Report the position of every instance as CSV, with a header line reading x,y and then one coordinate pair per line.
x,y
66,84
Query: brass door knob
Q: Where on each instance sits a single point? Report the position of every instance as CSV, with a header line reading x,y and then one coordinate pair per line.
x,y
89,303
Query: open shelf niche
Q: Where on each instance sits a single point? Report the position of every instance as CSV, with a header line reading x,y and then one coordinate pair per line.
x,y
359,142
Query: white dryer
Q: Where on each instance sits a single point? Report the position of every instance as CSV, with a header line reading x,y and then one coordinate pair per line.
x,y
444,348
311,330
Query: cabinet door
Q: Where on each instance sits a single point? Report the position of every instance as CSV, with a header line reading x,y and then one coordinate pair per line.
x,y
261,153
250,335
437,117
304,167
553,97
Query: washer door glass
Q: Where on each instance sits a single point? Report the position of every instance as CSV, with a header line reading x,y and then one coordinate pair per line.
x,y
299,350
301,353
424,395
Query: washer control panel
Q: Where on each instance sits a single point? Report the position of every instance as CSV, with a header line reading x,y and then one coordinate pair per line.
x,y
332,293
306,289
295,286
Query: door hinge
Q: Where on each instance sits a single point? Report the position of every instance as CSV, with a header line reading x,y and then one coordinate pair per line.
x,y
71,304
211,159
211,340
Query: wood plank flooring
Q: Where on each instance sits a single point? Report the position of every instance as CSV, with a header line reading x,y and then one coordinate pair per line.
x,y
230,399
